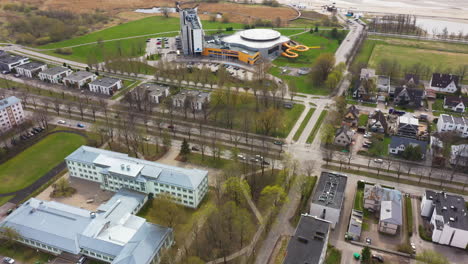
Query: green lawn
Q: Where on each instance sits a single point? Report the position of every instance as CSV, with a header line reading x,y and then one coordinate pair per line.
x,y
31,164
408,56
303,83
304,124
333,255
208,161
409,216
306,58
365,52
317,125
24,254
4,200
126,87
290,118
363,120
359,200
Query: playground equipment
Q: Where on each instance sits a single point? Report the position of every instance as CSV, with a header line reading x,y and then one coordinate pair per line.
x,y
289,52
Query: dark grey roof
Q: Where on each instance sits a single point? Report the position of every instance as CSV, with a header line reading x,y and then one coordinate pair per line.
x,y
452,207
455,100
353,110
379,116
443,80
31,65
397,141
330,190
55,70
79,75
105,82
8,58
307,244
414,78
415,95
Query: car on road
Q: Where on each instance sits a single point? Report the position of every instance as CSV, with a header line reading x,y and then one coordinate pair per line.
x,y
413,247
264,162
146,138
254,160
367,135
368,241
277,142
379,258
259,157
5,72
9,211
195,148
61,122
8,260
80,125
241,157
378,160
170,126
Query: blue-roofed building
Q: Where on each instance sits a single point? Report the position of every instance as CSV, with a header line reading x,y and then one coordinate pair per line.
x,y
115,170
113,234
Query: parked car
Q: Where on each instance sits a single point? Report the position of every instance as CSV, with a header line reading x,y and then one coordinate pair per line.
x,y
195,148
80,125
254,160
8,260
265,163
170,126
365,146
413,247
378,160
5,72
277,142
367,135
379,258
61,122
259,157
81,260
368,241
9,211
241,157
146,138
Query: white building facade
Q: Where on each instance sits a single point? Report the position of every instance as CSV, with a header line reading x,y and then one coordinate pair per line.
x,y
115,170
106,85
55,75
448,123
11,113
31,69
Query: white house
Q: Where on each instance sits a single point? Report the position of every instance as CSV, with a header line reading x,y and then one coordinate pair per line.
x,y
455,103
459,155
105,85
448,123
11,113
398,145
156,92
79,79
195,99
9,61
115,170
31,69
445,83
54,75
448,218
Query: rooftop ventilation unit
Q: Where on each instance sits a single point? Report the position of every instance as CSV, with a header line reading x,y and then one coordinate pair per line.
x,y
302,239
444,208
128,167
122,166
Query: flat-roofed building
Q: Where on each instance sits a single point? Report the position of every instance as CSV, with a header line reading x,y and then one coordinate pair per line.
x,y
54,75
31,69
106,85
327,200
112,234
191,32
11,113
113,171
9,61
79,79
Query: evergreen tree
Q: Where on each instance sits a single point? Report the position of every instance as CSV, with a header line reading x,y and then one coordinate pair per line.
x,y
366,255
185,148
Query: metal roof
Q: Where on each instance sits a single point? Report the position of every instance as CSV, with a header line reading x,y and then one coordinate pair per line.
x,y
8,58
79,75
55,71
451,207
9,101
261,42
31,65
105,82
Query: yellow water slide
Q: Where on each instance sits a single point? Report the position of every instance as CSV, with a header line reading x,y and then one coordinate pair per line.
x,y
289,52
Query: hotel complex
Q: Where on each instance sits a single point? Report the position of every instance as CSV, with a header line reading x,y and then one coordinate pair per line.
x,y
247,46
112,234
113,171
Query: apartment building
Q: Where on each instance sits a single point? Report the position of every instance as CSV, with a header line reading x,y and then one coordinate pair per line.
x,y
105,85
113,171
31,69
79,79
195,100
448,123
55,75
191,32
111,234
11,113
447,216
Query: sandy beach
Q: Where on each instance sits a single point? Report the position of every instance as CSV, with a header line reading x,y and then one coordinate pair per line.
x,y
453,9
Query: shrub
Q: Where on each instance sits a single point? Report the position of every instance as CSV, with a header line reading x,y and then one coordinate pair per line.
x,y
405,248
64,51
409,216
423,234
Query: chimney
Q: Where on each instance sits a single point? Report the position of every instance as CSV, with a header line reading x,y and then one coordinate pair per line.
x,y
122,166
128,167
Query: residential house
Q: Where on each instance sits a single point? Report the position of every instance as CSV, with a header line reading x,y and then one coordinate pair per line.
x,y
9,61
351,118
79,79
389,205
378,122
113,171
195,99
445,83
31,69
11,113
309,242
111,234
106,85
448,218
455,103
355,225
411,80
408,126
327,200
156,92
459,155
54,75
448,123
399,144
411,97
344,136
363,90
383,84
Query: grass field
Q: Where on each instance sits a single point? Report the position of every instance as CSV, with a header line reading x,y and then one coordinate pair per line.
x,y
317,125
306,58
363,120
303,83
408,56
4,200
359,200
333,256
290,118
24,254
39,158
304,123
